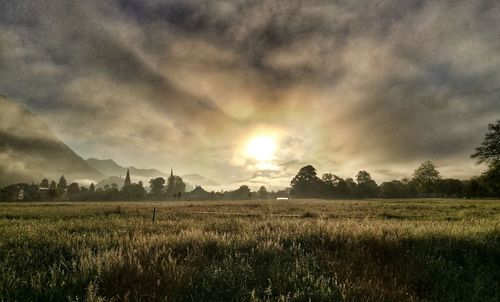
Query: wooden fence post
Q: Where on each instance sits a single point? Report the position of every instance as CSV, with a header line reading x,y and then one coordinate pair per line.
x,y
154,214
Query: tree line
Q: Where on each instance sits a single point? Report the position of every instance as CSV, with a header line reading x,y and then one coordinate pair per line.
x,y
172,188
426,181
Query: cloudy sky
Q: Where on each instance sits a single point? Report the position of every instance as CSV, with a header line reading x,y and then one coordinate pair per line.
x,y
202,85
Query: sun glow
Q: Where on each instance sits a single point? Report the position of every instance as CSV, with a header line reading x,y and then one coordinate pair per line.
x,y
261,148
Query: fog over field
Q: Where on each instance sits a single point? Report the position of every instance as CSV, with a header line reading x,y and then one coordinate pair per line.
x,y
342,85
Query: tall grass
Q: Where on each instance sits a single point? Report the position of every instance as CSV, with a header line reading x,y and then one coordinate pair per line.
x,y
412,251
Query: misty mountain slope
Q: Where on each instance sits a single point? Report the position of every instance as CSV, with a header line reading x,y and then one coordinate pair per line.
x,y
109,167
198,180
29,151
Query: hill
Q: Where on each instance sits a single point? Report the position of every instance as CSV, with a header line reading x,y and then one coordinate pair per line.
x,y
109,167
29,151
198,180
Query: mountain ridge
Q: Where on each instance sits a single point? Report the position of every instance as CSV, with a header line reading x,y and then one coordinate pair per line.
x,y
109,167
199,180
29,151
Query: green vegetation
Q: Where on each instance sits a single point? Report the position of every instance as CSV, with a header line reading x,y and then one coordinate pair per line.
x,y
299,250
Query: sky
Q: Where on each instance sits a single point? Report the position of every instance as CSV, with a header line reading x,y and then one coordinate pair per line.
x,y
250,91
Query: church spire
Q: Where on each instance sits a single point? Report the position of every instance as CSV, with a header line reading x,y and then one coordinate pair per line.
x,y
127,179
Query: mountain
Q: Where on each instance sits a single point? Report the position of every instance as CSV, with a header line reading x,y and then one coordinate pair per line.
x,y
115,171
29,151
198,180
109,167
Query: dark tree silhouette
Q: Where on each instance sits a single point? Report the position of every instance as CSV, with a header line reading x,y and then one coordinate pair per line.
x,y
491,179
73,189
489,151
243,192
306,183
426,178
341,187
366,185
450,187
393,189
334,186
175,186
262,193
44,183
62,184
157,185
52,190
328,185
134,191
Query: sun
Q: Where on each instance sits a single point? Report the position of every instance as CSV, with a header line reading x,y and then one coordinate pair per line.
x,y
261,148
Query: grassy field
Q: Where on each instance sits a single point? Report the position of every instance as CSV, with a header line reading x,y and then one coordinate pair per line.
x,y
299,250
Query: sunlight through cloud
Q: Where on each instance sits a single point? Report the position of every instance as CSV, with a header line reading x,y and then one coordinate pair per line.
x,y
261,148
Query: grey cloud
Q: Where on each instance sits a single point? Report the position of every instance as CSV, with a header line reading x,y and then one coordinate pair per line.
x,y
356,82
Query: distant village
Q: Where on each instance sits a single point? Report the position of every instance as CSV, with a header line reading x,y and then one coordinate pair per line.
x,y
172,188
425,183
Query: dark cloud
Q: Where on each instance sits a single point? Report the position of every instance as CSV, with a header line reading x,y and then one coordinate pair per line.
x,y
347,84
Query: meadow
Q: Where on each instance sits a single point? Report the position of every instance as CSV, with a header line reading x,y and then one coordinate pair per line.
x,y
297,250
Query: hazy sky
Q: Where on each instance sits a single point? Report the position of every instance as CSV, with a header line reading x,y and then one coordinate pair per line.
x,y
342,85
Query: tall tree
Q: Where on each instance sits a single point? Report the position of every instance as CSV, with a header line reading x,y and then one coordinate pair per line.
x,y
334,186
73,189
157,185
328,187
52,190
306,183
489,151
366,187
44,183
134,191
175,186
490,180
341,189
351,186
243,192
426,178
262,193
62,184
